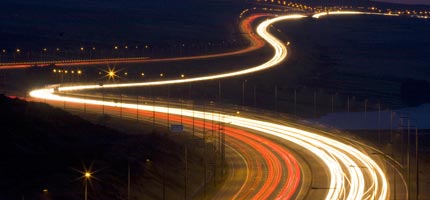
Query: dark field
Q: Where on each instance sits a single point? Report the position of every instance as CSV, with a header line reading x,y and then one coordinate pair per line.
x,y
71,24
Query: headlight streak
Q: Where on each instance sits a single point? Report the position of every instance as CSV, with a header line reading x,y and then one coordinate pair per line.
x,y
318,15
336,155
280,55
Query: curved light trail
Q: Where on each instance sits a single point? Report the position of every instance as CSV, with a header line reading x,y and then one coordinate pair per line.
x,y
318,15
352,174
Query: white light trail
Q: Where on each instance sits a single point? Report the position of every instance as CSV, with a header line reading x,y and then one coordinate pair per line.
x,y
318,15
343,161
278,46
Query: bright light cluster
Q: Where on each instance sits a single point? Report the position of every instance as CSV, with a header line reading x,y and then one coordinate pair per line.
x,y
352,174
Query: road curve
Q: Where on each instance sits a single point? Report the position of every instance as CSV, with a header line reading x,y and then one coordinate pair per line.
x,y
352,174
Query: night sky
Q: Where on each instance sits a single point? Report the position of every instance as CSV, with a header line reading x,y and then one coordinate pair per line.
x,y
423,2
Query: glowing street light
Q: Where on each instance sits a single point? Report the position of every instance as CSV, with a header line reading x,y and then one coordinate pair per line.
x,y
182,75
87,176
111,75
161,75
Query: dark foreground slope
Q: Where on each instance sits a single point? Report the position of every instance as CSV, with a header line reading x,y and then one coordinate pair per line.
x,y
46,148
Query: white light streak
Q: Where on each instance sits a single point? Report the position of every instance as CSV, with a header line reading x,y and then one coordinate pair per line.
x,y
347,166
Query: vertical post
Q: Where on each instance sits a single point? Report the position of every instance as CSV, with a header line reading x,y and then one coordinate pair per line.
x,y
153,111
417,184
103,100
394,169
137,108
255,96
365,110
379,123
86,189
408,161
128,181
219,91
295,102
193,119
315,104
164,179
243,92
347,104
189,90
186,171
204,152
332,103
85,104
168,114
120,108
276,97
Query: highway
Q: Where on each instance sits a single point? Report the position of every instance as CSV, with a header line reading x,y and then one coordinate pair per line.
x,y
348,171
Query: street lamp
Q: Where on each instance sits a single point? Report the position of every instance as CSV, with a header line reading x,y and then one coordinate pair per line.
x,y
87,177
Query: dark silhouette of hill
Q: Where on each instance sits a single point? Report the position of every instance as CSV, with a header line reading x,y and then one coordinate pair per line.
x,y
45,148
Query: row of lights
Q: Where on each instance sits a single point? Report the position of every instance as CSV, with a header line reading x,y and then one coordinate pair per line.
x,y
60,71
111,73
18,50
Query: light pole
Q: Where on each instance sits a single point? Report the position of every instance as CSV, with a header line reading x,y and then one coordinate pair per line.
x,y
87,177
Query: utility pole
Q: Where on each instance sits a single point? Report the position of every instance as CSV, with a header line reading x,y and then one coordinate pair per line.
x,y
255,96
408,161
164,179
137,108
219,91
193,119
347,104
295,102
379,123
120,108
186,170
315,104
243,92
153,109
417,185
276,97
128,180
